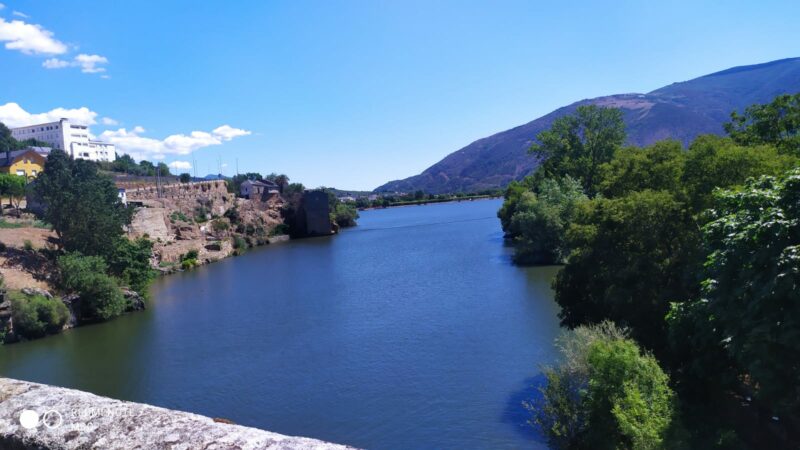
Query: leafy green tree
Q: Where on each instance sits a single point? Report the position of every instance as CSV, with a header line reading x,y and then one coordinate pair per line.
x,y
344,214
576,145
185,177
81,204
13,187
631,256
776,123
605,393
130,262
541,220
658,167
714,162
751,289
101,298
513,195
35,316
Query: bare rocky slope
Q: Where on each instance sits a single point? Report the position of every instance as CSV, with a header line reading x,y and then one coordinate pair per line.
x,y
681,111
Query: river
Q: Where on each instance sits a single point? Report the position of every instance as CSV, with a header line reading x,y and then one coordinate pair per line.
x,y
412,330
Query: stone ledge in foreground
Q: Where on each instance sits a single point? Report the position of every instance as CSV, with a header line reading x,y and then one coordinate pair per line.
x,y
93,422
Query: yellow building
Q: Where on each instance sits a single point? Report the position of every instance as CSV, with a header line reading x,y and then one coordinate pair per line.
x,y
27,163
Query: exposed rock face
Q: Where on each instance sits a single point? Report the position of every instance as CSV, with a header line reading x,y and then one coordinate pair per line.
x,y
133,301
150,222
89,421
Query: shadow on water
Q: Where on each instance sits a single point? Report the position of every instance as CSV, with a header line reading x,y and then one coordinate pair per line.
x,y
515,413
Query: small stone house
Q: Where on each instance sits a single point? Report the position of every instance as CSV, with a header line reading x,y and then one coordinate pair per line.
x,y
256,189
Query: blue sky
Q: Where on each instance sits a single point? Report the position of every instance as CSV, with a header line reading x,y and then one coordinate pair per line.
x,y
353,93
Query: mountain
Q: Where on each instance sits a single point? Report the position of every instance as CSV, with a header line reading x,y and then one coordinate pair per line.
x,y
681,111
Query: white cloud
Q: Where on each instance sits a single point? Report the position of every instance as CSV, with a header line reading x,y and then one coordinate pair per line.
x,y
29,38
2,6
90,63
180,165
55,63
19,14
140,147
87,63
227,132
13,115
108,121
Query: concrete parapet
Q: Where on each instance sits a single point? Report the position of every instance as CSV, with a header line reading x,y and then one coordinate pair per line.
x,y
71,419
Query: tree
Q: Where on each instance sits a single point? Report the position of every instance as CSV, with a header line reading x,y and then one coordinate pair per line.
x,y
776,123
604,394
750,293
81,204
35,316
185,177
344,215
512,196
540,221
100,296
576,145
630,258
714,162
12,186
658,167
282,181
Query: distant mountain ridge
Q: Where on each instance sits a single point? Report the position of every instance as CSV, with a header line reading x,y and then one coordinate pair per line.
x,y
680,111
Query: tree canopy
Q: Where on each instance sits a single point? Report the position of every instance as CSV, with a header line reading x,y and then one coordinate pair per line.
x,y
776,123
577,144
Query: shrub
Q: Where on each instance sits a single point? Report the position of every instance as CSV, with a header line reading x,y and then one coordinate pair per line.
x,y
220,225
34,316
239,243
279,230
189,259
101,298
28,245
604,394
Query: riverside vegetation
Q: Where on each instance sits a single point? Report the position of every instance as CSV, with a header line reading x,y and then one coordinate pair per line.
x,y
680,281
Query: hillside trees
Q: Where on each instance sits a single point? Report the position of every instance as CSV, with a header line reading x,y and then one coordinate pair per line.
x,y
776,123
577,144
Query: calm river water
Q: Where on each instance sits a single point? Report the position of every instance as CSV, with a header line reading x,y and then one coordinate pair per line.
x,y
413,330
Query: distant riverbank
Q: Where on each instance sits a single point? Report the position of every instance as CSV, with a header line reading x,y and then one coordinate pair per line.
x,y
431,201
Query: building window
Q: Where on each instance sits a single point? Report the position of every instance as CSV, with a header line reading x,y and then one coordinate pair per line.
x,y
33,172
21,172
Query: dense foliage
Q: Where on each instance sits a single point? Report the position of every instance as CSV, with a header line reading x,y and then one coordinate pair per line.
x,y
541,218
605,394
99,293
696,252
35,315
81,204
776,123
750,291
576,145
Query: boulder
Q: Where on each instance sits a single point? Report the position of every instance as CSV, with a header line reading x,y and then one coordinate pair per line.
x,y
133,301
36,291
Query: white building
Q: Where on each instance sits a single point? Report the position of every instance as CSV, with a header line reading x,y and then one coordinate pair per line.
x,y
72,138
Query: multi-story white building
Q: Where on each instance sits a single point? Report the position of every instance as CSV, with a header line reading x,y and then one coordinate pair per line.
x,y
72,138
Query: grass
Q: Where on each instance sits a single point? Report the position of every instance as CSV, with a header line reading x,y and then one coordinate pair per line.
x,y
26,224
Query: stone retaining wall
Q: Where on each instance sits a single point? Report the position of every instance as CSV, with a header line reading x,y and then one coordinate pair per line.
x,y
92,422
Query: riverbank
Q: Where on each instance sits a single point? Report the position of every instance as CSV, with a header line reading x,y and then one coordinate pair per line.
x,y
432,201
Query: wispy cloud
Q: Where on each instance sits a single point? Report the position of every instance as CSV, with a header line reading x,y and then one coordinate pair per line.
x,y
19,14
108,121
87,63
